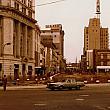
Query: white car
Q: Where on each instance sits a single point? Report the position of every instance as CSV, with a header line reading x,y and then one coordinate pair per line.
x,y
66,84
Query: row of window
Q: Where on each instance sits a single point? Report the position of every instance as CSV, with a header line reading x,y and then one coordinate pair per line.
x,y
101,40
103,33
27,1
95,23
23,9
102,63
104,47
107,56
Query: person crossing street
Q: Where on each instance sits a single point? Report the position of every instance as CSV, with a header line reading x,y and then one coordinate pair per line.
x,y
4,82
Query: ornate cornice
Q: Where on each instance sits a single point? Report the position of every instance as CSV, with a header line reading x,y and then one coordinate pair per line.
x,y
13,10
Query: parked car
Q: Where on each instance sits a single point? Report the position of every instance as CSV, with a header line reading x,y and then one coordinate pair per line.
x,y
66,84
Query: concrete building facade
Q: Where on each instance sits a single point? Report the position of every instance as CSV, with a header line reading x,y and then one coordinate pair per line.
x,y
90,59
53,39
17,28
38,45
95,37
51,57
58,40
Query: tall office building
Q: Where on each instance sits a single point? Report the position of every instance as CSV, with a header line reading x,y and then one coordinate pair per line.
x,y
95,36
17,37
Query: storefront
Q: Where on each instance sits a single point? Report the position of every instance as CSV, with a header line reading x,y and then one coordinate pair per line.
x,y
103,69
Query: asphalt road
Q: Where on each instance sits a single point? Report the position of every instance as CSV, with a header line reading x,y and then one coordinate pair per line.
x,y
88,98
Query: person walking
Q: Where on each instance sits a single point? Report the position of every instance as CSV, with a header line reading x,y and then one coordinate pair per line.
x,y
4,82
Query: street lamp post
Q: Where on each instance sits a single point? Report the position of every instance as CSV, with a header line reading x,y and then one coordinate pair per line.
x,y
3,56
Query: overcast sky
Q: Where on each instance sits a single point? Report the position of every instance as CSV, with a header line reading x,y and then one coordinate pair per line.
x,y
74,15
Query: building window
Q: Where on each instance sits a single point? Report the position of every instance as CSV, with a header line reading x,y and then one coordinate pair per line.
x,y
0,21
30,13
102,63
24,1
86,31
108,63
29,70
24,10
101,56
30,3
108,56
16,66
0,2
16,5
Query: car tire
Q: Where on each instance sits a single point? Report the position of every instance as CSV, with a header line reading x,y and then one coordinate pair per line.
x,y
52,89
61,87
77,87
70,88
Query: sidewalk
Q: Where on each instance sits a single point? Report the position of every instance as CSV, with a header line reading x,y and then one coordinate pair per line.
x,y
39,86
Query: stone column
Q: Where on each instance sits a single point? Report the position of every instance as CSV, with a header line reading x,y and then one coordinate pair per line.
x,y
32,49
8,35
7,49
18,40
1,38
25,42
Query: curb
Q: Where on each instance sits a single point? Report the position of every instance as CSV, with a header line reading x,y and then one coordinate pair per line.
x,y
44,86
24,87
98,85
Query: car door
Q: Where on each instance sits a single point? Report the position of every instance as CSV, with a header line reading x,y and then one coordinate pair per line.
x,y
67,83
73,83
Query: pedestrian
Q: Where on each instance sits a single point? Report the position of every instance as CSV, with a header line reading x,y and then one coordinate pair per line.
x,y
4,82
10,77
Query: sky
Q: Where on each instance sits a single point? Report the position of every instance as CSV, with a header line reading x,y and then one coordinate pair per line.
x,y
74,15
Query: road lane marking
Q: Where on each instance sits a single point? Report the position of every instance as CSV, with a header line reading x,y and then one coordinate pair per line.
x,y
40,104
80,99
84,95
100,108
108,107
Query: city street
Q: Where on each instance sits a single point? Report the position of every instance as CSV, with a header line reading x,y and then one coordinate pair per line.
x,y
91,97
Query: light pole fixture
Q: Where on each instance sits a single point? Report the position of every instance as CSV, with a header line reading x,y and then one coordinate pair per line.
x,y
3,55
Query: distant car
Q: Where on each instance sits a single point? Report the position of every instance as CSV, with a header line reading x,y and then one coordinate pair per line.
x,y
66,84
